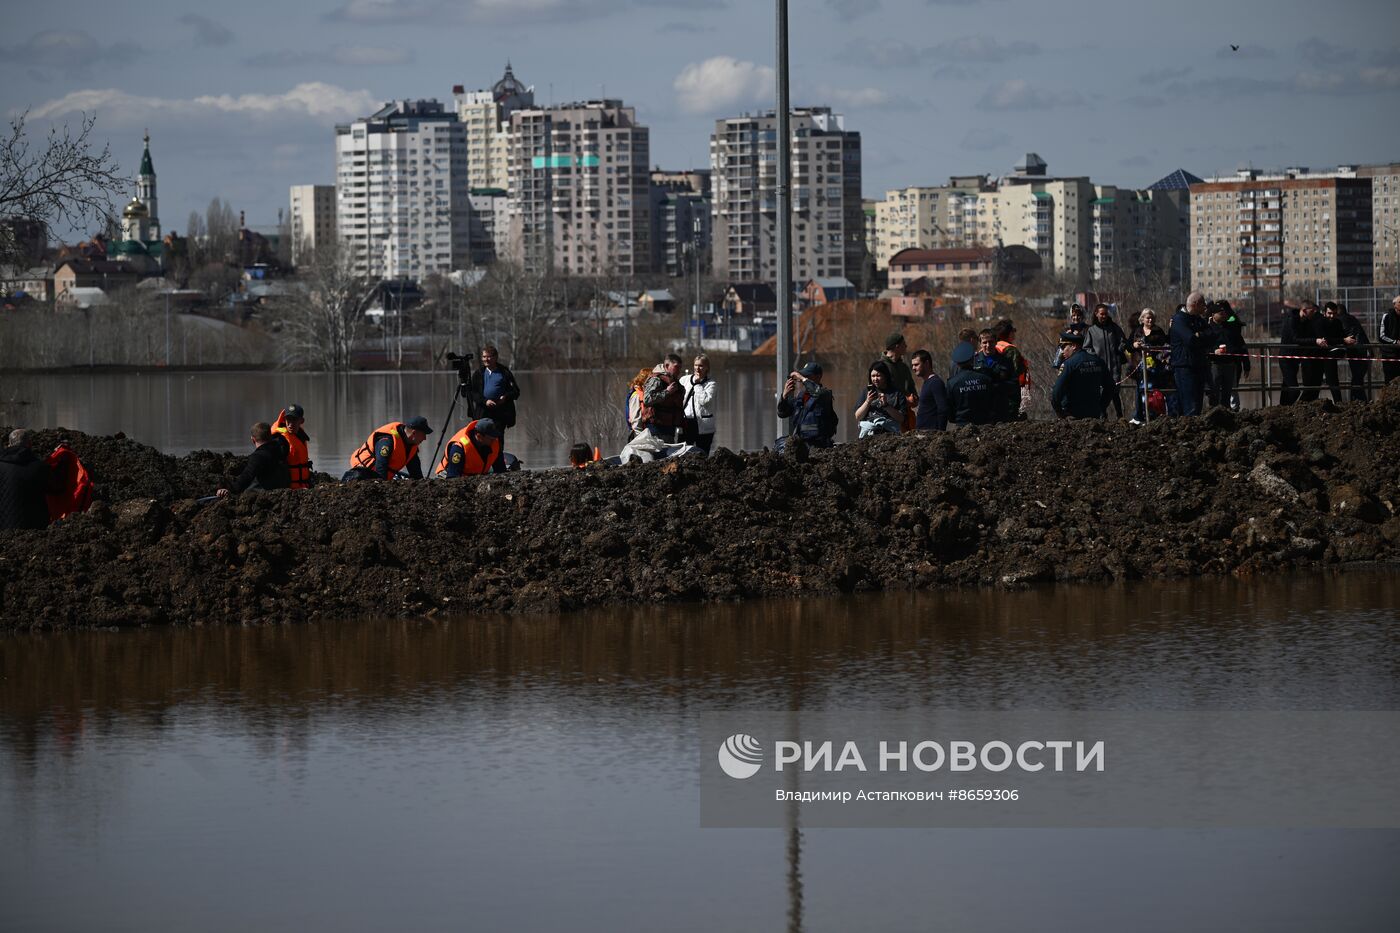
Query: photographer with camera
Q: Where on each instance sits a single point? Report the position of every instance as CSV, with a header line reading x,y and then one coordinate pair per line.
x,y
809,408
491,392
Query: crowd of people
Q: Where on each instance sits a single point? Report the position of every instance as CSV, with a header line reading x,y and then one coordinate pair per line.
x,y
1199,358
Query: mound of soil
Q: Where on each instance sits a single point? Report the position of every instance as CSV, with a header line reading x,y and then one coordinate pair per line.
x,y
1005,505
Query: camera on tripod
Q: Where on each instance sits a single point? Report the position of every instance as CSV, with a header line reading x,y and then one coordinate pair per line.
x,y
464,370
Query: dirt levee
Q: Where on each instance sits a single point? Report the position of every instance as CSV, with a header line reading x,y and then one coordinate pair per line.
x,y
1006,505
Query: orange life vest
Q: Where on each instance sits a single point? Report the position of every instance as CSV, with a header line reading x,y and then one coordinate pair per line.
x,y
73,482
298,458
398,457
1023,374
473,464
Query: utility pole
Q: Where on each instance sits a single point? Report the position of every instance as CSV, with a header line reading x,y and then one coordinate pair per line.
x,y
784,204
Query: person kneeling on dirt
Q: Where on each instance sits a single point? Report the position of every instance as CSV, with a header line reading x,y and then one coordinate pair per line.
x,y
391,449
809,407
25,480
267,464
472,451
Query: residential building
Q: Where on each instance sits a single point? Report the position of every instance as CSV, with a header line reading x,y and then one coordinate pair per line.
x,y
1385,220
1266,231
402,207
83,274
825,291
928,217
962,270
580,189
311,219
749,299
828,221
485,117
680,221
490,224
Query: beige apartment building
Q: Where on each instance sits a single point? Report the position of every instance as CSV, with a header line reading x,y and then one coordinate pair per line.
x,y
1261,231
485,117
579,183
828,221
926,217
1385,221
311,218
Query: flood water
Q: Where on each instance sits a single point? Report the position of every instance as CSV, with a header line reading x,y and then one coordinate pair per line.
x,y
539,773
181,412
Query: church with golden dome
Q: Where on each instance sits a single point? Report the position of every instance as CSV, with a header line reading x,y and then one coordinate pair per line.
x,y
140,244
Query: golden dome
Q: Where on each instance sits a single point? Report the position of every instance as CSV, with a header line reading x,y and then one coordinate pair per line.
x,y
135,209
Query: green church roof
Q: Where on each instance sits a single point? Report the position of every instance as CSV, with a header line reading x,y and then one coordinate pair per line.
x,y
146,167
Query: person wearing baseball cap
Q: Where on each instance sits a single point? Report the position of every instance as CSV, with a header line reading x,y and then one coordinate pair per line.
x,y
472,451
289,427
389,450
972,395
809,408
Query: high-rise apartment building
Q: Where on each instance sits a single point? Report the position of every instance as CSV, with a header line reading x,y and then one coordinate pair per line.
x,y
680,221
311,219
828,222
1385,220
927,217
402,206
579,189
1262,231
485,117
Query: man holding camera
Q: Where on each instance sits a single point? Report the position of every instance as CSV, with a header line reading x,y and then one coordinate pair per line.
x,y
491,393
809,408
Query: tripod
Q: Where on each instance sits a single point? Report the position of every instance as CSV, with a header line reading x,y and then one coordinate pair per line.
x,y
464,375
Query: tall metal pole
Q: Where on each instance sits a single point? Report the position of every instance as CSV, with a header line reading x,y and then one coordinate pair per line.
x,y
784,205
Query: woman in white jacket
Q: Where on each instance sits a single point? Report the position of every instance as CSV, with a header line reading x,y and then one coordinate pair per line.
x,y
699,409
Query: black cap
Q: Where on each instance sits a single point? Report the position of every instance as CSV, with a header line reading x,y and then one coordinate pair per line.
x,y
963,354
893,340
486,427
811,370
295,411
1073,336
418,424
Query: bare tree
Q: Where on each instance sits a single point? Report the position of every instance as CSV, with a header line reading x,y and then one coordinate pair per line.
x,y
67,181
321,324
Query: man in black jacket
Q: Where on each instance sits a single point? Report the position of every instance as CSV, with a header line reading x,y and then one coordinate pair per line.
x,y
1390,341
1293,328
1357,346
492,393
24,481
1229,354
267,464
1330,341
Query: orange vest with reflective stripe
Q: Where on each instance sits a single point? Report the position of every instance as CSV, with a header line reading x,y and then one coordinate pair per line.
x,y
1024,375
474,464
398,458
298,458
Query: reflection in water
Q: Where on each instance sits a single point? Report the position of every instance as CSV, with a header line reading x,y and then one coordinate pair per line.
x,y
472,763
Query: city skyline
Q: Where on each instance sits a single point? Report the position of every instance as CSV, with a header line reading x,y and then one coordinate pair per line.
x,y
935,87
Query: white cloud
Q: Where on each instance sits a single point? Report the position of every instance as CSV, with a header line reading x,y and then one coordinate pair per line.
x,y
721,82
1381,77
982,49
312,99
867,98
1020,94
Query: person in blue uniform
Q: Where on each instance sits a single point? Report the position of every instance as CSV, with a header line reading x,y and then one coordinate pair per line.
x,y
1085,385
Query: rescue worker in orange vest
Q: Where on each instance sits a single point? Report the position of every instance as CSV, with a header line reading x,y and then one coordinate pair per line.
x,y
288,426
1005,330
473,450
391,449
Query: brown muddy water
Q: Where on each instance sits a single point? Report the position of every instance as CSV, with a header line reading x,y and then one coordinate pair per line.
x,y
539,773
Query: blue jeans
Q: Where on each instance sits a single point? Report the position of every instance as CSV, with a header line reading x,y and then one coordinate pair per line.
x,y
1190,390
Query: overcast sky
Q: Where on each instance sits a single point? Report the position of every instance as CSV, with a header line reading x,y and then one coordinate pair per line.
x,y
241,98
